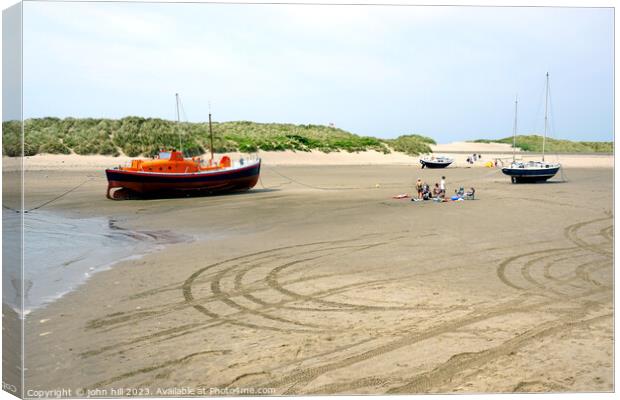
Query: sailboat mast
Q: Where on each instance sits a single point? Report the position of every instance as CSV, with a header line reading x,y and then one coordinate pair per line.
x,y
176,96
514,132
546,117
210,134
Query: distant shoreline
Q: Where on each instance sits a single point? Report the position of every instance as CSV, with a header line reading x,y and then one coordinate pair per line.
x,y
533,153
98,163
138,136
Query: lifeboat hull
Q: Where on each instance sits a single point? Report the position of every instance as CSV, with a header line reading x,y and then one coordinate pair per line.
x,y
230,179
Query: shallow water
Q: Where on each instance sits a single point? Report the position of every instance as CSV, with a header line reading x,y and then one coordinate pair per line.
x,y
60,252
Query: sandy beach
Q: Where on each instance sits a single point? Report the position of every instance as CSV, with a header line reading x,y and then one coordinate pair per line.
x,y
459,151
317,281
304,266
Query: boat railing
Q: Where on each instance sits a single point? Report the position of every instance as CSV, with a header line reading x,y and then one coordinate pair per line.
x,y
245,159
440,159
241,160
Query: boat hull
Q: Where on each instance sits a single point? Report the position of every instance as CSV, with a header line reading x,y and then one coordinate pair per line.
x,y
430,164
242,178
524,175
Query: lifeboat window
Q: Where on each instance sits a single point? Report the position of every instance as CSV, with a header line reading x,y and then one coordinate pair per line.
x,y
160,168
169,167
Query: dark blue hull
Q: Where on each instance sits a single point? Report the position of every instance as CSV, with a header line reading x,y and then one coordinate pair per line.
x,y
525,175
430,164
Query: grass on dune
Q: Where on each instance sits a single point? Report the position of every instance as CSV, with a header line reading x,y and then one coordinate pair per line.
x,y
411,144
534,143
137,136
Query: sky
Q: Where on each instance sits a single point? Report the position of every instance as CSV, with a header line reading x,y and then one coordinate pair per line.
x,y
451,73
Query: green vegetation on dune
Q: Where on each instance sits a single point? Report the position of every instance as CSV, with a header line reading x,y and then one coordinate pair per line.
x,y
252,136
135,136
411,144
11,138
533,143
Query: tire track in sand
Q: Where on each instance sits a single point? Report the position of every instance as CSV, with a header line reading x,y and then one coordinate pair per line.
x,y
583,249
571,231
299,378
501,270
121,319
226,298
443,373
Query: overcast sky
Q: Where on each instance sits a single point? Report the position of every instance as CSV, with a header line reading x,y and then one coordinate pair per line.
x,y
446,72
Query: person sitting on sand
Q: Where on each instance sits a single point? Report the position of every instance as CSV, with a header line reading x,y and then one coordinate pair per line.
x,y
436,191
426,192
419,187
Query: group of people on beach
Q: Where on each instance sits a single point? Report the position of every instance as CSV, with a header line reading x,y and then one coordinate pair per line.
x,y
425,193
473,158
438,192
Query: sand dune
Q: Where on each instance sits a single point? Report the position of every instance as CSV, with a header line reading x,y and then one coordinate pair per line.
x,y
458,150
471,147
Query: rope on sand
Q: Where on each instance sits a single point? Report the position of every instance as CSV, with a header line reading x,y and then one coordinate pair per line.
x,y
260,179
564,177
291,180
90,178
307,185
59,196
9,208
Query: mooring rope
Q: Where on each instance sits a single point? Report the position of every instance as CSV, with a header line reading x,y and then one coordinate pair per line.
x,y
564,177
292,180
59,196
308,185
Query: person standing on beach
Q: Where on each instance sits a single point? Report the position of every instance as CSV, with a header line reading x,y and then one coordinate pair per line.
x,y
418,186
442,186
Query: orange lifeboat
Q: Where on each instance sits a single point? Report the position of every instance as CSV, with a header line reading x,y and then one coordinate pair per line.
x,y
171,172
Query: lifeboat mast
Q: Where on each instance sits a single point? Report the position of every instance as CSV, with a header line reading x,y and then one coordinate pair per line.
x,y
211,136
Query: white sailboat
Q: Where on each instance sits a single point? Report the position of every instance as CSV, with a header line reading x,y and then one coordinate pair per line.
x,y
532,171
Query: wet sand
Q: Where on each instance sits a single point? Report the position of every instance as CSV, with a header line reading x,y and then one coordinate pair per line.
x,y
317,281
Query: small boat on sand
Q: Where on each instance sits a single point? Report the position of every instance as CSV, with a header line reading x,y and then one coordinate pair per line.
x,y
436,162
170,172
